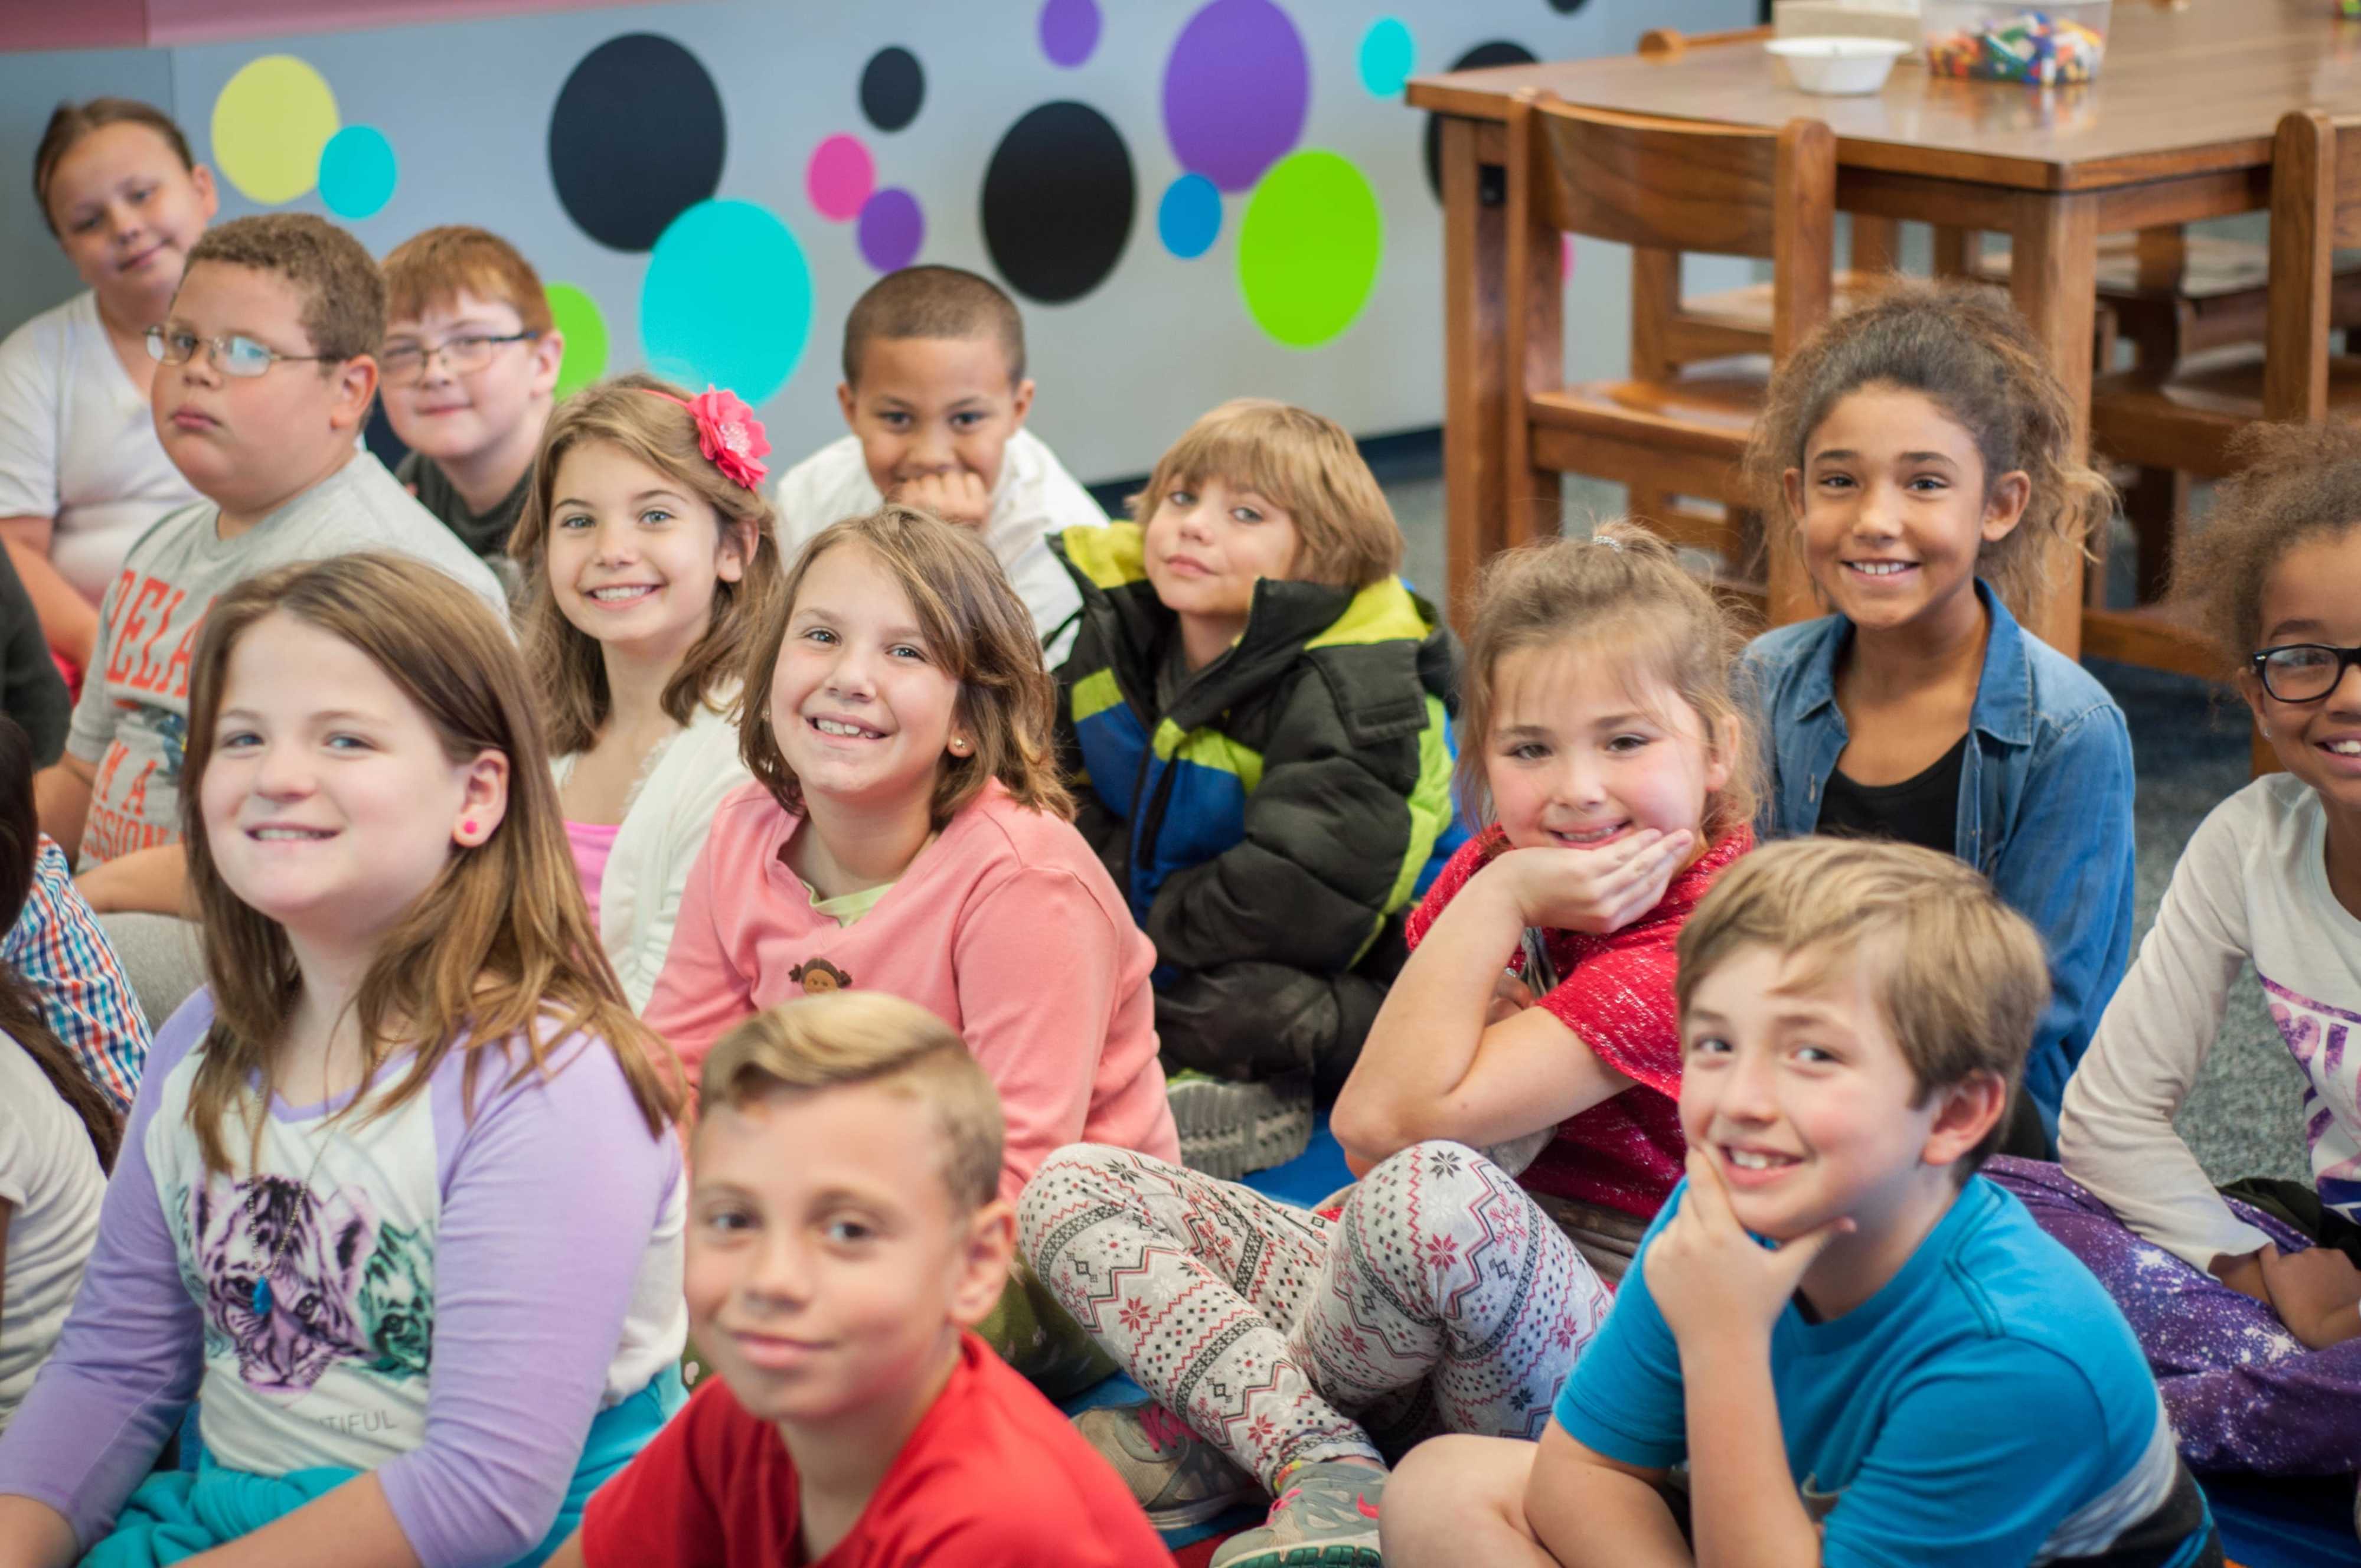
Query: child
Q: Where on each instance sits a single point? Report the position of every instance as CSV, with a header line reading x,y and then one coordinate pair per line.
x,y
401,1197
648,561
57,1132
1306,1348
1272,843
2245,1299
81,472
267,378
470,367
1924,455
907,832
58,948
1917,1373
846,1241
32,684
936,395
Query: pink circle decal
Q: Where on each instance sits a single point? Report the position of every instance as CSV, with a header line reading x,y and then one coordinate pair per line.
x,y
839,178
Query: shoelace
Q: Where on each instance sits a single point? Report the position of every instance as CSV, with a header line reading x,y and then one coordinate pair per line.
x,y
1164,1428
1331,1501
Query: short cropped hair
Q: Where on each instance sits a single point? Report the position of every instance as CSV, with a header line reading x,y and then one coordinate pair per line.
x,y
934,302
433,268
842,1038
342,293
1346,534
1959,977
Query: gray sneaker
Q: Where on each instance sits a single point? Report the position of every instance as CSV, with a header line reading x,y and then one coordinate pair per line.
x,y
1327,1516
1177,1477
1230,1129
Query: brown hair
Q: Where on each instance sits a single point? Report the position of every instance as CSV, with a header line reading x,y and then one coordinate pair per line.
x,y
21,1019
934,302
568,669
342,293
849,1037
1294,458
1622,589
71,122
430,269
501,945
977,630
1962,346
1959,977
2301,481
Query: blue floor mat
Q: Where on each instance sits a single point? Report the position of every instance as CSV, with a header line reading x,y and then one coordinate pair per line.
x,y
2285,1524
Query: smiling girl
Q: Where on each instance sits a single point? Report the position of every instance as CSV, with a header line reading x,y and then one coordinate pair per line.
x,y
398,1196
81,472
1925,456
649,565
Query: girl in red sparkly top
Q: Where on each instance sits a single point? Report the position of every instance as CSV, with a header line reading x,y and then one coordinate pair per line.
x,y
1300,1351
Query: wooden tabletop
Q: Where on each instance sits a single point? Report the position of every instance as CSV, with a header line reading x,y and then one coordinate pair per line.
x,y
2180,92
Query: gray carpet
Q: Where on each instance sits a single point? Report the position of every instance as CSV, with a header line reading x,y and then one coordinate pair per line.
x,y
2191,749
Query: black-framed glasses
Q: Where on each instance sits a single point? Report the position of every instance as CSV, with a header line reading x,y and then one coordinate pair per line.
x,y
234,354
404,363
2303,672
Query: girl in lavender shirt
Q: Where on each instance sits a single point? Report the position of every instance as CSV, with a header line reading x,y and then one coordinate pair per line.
x,y
398,1203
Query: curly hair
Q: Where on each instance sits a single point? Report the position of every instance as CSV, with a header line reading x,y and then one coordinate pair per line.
x,y
2300,482
1963,347
342,289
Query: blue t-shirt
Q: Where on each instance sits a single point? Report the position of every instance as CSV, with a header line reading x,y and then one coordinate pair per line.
x,y
1988,1406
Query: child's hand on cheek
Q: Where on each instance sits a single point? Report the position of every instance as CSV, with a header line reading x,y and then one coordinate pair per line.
x,y
1711,1280
960,497
1602,890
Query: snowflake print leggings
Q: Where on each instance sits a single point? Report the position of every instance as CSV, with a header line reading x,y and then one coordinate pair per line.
x,y
1439,1300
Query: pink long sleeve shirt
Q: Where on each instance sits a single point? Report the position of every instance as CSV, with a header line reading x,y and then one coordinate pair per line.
x,y
1006,927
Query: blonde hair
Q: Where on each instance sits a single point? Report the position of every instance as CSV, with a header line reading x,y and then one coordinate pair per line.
x,y
1959,976
978,631
850,1038
570,670
433,268
501,945
1965,349
1623,589
1346,535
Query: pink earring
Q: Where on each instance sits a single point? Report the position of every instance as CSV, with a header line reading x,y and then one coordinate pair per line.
x,y
467,827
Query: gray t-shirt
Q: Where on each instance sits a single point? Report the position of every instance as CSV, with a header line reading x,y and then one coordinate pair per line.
x,y
132,722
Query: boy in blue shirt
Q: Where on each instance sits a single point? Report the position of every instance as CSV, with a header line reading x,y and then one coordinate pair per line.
x,y
1915,1374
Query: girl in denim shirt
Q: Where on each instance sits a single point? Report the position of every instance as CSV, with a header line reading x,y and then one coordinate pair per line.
x,y
1925,455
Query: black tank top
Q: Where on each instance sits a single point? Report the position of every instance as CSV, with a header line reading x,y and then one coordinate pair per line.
x,y
1922,810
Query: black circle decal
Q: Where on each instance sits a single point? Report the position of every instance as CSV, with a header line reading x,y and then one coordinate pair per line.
x,y
1058,202
635,141
891,87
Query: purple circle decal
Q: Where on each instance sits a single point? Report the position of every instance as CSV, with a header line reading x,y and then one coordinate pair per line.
x,y
892,229
1070,30
1236,92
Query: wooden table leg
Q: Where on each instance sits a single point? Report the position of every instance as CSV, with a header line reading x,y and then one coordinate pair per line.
x,y
2053,279
1475,369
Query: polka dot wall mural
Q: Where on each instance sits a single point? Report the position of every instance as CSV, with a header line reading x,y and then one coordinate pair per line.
x,y
1387,56
893,87
1189,218
357,172
839,178
270,123
1058,201
636,139
1236,89
1308,248
1070,30
727,301
891,229
577,317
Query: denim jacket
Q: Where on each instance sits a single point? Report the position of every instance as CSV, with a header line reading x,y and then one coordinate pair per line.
x,y
2045,803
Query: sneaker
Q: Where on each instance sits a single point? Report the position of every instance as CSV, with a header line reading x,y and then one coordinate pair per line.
x,y
1328,1515
1178,1477
1228,1129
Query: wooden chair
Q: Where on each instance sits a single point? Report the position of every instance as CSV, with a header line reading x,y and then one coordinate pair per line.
x,y
1664,188
2184,420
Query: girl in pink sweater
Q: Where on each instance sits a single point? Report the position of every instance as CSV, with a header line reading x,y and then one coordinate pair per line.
x,y
907,832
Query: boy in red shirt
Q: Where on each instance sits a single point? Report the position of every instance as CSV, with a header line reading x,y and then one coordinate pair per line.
x,y
844,1235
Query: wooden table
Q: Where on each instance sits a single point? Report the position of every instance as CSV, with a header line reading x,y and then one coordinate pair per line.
x,y
2177,128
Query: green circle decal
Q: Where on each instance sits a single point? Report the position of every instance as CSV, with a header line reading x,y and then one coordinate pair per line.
x,y
1309,249
577,315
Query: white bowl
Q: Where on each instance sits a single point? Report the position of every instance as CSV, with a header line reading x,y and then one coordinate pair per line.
x,y
1839,67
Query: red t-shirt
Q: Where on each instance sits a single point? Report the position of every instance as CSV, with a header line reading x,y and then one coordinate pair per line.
x,y
994,1477
1617,995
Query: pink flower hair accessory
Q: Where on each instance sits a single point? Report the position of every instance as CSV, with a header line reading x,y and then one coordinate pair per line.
x,y
728,434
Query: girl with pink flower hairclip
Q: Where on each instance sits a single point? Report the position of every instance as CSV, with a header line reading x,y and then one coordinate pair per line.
x,y
649,556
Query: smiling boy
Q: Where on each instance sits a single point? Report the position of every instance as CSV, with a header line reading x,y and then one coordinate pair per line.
x,y
1917,1373
844,1238
935,394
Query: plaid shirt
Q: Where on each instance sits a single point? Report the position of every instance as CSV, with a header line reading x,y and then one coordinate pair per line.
x,y
58,946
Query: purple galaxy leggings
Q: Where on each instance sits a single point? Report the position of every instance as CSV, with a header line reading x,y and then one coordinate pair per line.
x,y
2245,1394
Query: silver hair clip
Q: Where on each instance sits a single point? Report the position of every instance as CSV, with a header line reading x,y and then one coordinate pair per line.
x,y
1612,544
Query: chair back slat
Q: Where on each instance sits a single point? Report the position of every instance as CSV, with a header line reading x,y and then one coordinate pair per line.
x,y
1666,184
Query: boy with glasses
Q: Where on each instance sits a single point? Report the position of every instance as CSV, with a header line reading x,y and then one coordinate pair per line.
x,y
266,368
469,369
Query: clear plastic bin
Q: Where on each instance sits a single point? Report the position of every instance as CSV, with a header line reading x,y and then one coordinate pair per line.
x,y
2042,43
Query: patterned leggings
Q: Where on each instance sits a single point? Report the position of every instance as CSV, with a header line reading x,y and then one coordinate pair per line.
x,y
1439,1300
